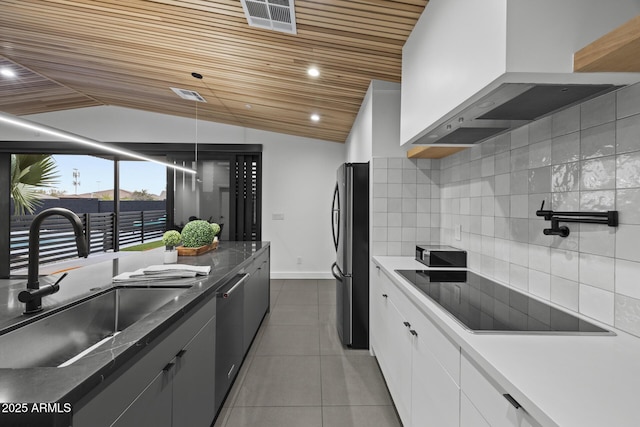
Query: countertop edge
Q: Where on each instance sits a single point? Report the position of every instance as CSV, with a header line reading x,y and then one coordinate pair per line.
x,y
98,375
481,353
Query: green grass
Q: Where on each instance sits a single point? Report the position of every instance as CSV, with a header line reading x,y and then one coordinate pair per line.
x,y
144,246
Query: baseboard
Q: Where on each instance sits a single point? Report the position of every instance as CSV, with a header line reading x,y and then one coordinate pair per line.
x,y
301,275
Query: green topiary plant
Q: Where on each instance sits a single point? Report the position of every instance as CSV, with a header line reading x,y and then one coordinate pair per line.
x,y
197,233
216,228
171,239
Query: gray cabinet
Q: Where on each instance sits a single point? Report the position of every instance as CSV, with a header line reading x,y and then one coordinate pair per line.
x,y
151,407
182,393
163,386
194,380
184,375
256,297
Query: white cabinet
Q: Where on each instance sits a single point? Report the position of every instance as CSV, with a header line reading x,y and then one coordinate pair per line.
x,y
403,339
391,342
434,393
469,415
399,360
489,403
432,383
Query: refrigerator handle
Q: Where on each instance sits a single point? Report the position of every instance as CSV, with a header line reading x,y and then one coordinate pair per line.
x,y
335,217
338,276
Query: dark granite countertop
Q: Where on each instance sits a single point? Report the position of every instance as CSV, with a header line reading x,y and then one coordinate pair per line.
x,y
69,384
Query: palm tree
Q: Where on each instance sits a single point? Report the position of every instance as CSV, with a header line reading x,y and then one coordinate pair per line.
x,y
28,172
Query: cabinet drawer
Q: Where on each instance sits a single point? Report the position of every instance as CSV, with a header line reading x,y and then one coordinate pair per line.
x,y
444,350
489,401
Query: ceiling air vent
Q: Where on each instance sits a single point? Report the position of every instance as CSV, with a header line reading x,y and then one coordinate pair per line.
x,y
277,15
190,95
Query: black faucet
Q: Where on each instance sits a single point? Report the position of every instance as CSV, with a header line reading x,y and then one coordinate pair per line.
x,y
609,218
32,297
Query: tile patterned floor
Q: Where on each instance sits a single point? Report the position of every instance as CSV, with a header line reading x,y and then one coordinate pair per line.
x,y
298,374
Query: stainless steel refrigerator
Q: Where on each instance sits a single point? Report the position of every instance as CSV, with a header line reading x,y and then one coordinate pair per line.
x,y
350,223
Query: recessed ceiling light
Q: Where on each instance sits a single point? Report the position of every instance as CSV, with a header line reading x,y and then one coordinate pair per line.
x,y
313,72
315,117
7,72
247,106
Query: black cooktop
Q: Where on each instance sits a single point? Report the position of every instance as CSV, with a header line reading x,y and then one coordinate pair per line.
x,y
483,305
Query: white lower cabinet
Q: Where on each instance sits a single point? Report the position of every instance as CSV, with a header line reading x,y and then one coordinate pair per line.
x,y
399,360
434,393
391,342
424,392
469,415
432,384
491,405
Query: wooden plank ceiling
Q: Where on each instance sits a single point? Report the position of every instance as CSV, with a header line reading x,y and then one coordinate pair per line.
x,y
75,54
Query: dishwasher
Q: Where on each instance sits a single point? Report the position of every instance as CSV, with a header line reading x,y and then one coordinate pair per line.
x,y
229,335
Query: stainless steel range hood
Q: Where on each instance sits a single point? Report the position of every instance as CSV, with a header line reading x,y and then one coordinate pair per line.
x,y
507,107
473,70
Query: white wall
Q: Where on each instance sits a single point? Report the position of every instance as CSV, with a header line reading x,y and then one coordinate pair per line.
x,y
298,175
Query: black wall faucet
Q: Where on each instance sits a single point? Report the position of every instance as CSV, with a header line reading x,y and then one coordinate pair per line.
x,y
32,297
609,218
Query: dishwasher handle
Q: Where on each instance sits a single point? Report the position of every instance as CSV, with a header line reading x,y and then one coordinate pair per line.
x,y
233,288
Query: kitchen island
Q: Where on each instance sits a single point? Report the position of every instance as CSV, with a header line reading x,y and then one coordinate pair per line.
x,y
104,384
455,377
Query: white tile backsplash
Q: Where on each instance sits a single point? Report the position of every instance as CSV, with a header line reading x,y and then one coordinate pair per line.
x,y
582,158
598,173
597,271
565,264
597,111
626,242
598,141
627,314
628,134
519,253
597,303
540,258
540,284
565,292
627,275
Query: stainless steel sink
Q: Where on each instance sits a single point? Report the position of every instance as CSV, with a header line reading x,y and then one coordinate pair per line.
x,y
59,338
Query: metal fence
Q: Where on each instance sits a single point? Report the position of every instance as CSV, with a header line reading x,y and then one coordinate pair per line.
x,y
57,241
138,227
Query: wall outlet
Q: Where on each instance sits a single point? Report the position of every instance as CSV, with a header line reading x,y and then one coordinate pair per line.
x,y
299,260
457,231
